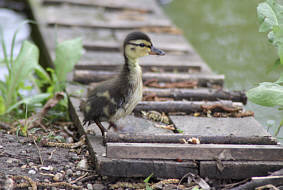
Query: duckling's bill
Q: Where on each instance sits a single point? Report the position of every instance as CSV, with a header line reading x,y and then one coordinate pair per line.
x,y
156,51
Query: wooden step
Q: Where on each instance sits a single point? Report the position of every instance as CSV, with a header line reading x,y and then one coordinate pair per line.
x,y
95,39
140,6
205,126
202,80
92,60
194,151
89,17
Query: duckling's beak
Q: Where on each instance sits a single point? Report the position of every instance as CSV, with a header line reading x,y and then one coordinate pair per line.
x,y
155,51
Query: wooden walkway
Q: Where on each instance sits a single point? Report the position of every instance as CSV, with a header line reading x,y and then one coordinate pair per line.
x,y
232,143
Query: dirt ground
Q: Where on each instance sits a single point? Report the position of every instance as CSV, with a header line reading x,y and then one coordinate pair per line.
x,y
20,157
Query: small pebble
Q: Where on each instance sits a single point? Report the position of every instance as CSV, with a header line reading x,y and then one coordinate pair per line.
x,y
98,186
32,172
83,164
58,177
89,186
78,172
53,188
1,146
11,160
46,180
49,168
75,157
24,166
79,183
69,172
69,140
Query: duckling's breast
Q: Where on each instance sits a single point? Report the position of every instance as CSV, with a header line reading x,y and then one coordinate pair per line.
x,y
134,95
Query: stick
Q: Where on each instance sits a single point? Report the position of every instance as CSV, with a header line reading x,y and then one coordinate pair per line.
x,y
39,153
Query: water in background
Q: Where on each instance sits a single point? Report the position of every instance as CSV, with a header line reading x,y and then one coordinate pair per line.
x,y
225,33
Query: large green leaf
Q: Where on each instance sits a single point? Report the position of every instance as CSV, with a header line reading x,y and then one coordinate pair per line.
x,y
267,94
67,55
25,63
269,15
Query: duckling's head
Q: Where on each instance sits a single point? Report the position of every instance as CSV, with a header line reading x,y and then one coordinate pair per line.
x,y
138,44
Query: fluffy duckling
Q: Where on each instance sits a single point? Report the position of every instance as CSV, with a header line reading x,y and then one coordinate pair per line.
x,y
116,98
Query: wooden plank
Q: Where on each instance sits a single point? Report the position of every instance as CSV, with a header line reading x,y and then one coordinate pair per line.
x,y
203,80
177,138
96,39
89,17
141,6
180,106
205,126
198,94
93,39
136,168
238,169
194,151
112,61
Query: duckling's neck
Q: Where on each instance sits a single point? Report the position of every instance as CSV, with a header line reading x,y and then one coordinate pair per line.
x,y
131,74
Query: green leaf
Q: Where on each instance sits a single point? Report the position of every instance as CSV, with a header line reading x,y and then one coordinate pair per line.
x,y
23,66
267,94
2,106
269,15
148,178
278,128
30,101
67,55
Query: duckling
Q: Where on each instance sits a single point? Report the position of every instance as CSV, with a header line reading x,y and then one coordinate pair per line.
x,y
116,98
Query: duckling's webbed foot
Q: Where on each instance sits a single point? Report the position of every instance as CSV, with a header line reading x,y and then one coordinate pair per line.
x,y
102,129
112,125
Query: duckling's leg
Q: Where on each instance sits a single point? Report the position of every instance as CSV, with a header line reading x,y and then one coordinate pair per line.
x,y
102,129
112,124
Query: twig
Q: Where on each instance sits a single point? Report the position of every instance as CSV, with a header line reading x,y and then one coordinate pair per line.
x,y
52,152
166,181
32,183
42,184
79,178
64,145
39,152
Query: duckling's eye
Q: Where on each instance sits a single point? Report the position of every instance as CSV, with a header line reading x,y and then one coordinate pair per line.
x,y
142,45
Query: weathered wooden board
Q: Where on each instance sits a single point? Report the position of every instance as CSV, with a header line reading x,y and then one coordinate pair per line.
x,y
180,137
141,6
194,151
204,126
105,41
203,80
138,167
180,106
113,60
89,17
238,169
198,94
